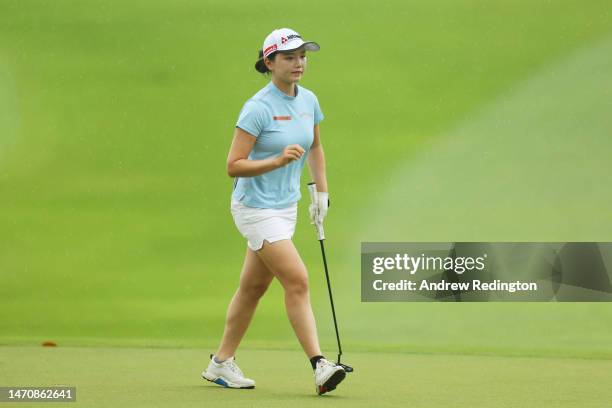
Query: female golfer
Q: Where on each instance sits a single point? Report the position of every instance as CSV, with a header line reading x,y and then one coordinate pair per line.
x,y
276,132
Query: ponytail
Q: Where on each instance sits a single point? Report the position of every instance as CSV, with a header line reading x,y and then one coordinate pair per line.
x,y
260,65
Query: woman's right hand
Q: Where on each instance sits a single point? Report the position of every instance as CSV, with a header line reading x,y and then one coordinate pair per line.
x,y
289,154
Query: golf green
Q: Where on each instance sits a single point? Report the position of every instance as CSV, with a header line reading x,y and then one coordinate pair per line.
x,y
145,377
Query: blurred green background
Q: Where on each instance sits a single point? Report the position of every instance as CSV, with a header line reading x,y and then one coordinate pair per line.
x,y
448,120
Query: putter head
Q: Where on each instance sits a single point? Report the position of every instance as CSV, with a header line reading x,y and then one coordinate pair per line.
x,y
347,368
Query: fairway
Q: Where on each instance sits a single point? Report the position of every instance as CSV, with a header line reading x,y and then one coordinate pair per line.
x,y
454,120
140,377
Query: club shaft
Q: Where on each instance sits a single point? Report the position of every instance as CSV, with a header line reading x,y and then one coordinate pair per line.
x,y
331,300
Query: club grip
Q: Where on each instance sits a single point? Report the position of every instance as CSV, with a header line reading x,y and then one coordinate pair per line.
x,y
314,199
312,189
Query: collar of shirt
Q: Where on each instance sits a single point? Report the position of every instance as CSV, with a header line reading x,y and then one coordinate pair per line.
x,y
281,93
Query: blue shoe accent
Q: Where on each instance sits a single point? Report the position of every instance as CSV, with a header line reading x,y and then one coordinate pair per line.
x,y
221,382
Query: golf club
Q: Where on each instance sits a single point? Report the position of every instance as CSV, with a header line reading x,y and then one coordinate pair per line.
x,y
312,188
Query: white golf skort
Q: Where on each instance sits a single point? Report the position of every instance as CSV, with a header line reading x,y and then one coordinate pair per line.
x,y
259,224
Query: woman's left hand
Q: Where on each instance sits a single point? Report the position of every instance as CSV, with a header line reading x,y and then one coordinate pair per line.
x,y
319,211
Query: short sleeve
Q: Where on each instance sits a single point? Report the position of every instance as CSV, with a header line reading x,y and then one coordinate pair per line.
x,y
318,115
252,118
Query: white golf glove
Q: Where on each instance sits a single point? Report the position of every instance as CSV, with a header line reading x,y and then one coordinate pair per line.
x,y
318,213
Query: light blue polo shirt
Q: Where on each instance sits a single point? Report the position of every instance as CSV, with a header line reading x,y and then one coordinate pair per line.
x,y
277,120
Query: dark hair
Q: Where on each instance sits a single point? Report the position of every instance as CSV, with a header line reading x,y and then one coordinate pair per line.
x,y
260,65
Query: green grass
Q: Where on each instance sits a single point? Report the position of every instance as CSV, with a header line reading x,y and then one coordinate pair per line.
x,y
142,377
453,120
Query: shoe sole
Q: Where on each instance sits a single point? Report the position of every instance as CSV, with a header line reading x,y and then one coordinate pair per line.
x,y
221,381
332,382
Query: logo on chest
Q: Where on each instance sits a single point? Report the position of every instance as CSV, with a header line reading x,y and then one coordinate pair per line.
x,y
288,117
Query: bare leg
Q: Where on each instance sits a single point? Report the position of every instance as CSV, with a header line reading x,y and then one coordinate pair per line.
x,y
283,260
254,281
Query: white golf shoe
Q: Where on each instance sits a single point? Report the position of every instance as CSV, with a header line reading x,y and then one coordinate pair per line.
x,y
327,376
227,374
